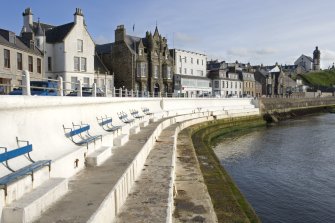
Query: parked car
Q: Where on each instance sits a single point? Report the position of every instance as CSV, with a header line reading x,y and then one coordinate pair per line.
x,y
87,92
42,88
232,96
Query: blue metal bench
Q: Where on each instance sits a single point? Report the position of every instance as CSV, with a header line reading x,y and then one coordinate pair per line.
x,y
135,113
106,124
80,135
20,173
124,117
146,111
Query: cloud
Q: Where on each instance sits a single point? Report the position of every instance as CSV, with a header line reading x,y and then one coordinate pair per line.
x,y
245,52
327,55
184,38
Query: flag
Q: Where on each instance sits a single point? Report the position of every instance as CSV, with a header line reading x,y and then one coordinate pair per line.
x,y
133,27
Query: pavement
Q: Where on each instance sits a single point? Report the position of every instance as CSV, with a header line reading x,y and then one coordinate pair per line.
x,y
89,188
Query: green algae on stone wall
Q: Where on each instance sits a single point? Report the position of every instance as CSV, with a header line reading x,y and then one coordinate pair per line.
x,y
229,203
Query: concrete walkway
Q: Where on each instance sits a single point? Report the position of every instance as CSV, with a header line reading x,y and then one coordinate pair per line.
x,y
89,188
148,200
192,201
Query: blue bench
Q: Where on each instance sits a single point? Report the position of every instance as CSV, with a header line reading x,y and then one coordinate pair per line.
x,y
135,114
106,124
80,135
20,173
124,117
146,111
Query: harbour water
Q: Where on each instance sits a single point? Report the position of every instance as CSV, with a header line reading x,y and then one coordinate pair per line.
x,y
286,172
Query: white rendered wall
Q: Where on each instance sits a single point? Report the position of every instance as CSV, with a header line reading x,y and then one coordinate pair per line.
x,y
188,64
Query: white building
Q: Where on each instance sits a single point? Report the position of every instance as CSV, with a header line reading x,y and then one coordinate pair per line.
x,y
190,73
69,50
226,84
304,62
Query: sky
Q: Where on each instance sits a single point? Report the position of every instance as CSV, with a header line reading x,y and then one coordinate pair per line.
x,y
255,31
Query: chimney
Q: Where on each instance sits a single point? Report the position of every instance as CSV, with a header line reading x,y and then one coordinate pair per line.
x,y
28,19
120,33
78,16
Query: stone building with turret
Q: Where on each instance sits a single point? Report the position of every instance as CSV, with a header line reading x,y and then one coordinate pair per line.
x,y
141,64
316,59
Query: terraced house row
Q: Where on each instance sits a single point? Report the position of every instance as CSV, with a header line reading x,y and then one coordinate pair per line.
x,y
144,64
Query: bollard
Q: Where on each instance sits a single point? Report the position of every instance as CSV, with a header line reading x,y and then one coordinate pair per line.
x,y
106,90
60,86
94,90
26,83
79,89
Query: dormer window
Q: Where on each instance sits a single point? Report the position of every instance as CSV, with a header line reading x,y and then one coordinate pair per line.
x,y
140,52
80,45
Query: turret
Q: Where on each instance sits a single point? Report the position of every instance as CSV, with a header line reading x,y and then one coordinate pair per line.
x,y
40,36
316,59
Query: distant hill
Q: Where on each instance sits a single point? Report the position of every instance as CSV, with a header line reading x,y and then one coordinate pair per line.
x,y
320,79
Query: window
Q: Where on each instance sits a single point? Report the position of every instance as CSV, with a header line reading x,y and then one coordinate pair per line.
x,y
86,81
180,58
197,61
192,71
19,61
140,52
156,71
6,58
168,72
76,64
49,64
185,70
74,81
38,42
39,66
83,64
227,84
231,84
80,46
141,69
185,59
180,70
216,84
30,64
202,62
235,84
192,60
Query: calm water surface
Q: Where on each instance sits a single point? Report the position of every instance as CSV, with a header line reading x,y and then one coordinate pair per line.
x,y
287,172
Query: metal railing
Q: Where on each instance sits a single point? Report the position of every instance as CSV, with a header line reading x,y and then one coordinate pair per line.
x,y
26,85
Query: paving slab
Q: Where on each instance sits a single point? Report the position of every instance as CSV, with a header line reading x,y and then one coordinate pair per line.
x,y
88,189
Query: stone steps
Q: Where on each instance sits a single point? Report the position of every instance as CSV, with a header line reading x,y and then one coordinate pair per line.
x,y
33,204
99,156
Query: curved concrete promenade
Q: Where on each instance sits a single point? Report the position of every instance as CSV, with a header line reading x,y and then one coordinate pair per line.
x,y
99,192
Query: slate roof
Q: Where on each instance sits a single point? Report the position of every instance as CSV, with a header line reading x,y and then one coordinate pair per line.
x,y
132,40
104,48
19,42
99,65
58,33
248,76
